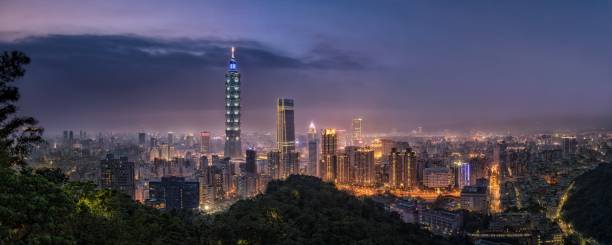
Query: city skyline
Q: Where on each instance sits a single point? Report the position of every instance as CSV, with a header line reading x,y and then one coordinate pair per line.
x,y
432,65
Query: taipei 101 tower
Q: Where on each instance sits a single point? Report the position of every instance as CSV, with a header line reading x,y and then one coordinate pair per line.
x,y
232,109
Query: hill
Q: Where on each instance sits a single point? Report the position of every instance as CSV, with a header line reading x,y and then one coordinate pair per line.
x,y
305,210
589,204
41,207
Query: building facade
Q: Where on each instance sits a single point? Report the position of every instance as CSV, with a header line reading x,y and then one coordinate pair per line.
x,y
233,146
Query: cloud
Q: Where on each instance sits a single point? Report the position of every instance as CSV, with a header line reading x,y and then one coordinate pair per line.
x,y
195,52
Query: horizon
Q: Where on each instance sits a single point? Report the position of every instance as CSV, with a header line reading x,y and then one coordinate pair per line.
x,y
160,67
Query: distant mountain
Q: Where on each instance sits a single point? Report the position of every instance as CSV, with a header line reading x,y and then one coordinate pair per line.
x,y
589,204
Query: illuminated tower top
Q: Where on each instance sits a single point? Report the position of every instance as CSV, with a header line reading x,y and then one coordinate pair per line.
x,y
233,64
311,128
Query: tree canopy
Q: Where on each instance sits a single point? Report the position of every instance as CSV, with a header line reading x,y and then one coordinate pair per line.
x,y
589,205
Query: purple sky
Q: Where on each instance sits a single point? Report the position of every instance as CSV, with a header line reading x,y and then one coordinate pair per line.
x,y
159,65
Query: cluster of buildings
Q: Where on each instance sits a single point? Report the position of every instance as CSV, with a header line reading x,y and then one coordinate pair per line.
x,y
435,178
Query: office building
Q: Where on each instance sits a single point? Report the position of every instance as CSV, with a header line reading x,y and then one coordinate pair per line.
x,y
117,174
436,177
474,198
142,138
403,169
356,134
364,163
204,142
313,150
174,193
233,146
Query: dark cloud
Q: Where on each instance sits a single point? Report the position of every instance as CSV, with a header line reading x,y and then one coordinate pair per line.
x,y
56,49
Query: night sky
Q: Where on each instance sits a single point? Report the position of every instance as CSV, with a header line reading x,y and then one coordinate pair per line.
x,y
459,65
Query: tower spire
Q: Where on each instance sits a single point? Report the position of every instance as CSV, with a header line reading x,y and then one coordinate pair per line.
x,y
233,51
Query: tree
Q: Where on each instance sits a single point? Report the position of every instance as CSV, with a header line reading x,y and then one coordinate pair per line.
x,y
17,134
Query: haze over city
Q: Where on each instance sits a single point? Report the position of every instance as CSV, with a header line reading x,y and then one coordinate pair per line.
x,y
159,65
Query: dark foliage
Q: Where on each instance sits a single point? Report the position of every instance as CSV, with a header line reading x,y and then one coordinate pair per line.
x,y
17,134
305,210
589,205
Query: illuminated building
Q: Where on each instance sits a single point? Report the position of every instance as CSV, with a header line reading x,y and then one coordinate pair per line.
x,y
568,146
436,177
343,169
174,193
204,142
289,164
312,150
329,146
233,146
357,127
441,222
329,141
474,198
377,147
285,130
403,172
285,138
117,174
274,164
464,175
387,145
364,162
327,168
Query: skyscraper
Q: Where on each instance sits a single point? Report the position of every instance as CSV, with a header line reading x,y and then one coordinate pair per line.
x,y
174,193
327,166
117,174
251,164
170,138
312,150
142,137
403,169
204,142
285,137
285,131
232,109
356,134
364,161
330,141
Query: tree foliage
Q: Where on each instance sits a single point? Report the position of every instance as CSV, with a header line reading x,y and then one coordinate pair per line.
x,y
305,210
17,134
589,205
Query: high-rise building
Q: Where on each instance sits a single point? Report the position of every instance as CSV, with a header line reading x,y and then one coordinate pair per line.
x,y
170,138
142,138
285,137
403,169
233,146
329,146
251,162
330,141
174,193
356,134
285,130
117,174
204,142
313,150
189,140
568,145
274,164
364,162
